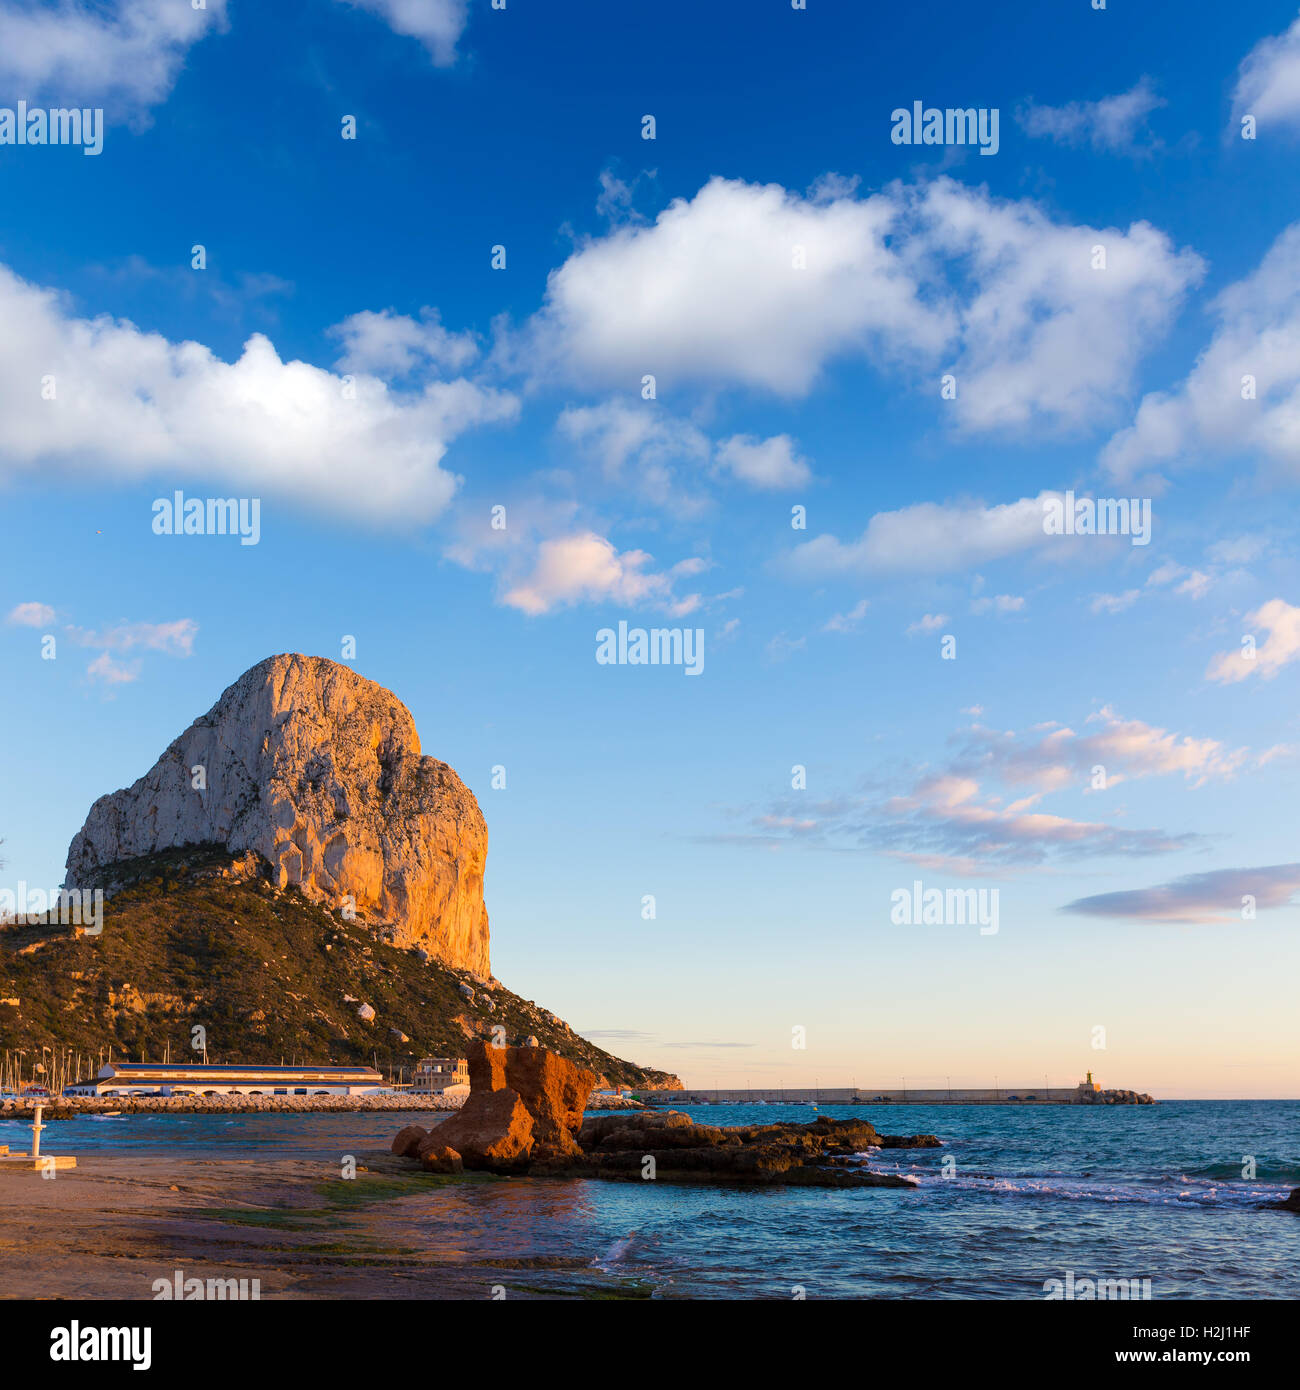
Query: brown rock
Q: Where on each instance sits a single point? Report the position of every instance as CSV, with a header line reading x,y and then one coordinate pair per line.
x,y
493,1130
815,1155
524,1104
441,1158
407,1141
555,1092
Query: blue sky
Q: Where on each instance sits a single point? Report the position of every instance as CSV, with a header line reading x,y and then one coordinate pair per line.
x,y
798,285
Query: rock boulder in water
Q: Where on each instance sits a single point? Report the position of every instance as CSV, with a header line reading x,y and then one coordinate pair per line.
x,y
524,1104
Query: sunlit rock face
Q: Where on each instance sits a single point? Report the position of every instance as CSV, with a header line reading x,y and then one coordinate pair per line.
x,y
319,771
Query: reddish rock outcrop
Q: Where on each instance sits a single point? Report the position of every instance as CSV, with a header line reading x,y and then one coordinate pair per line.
x,y
493,1130
555,1092
406,1142
440,1158
525,1104
525,1113
821,1154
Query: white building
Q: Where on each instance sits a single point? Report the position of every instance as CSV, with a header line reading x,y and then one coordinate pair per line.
x,y
159,1079
441,1076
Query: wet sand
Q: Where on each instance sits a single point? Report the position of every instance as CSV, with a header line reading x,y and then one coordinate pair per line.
x,y
115,1224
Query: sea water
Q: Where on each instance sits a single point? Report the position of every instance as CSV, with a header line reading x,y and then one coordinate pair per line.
x,y
1020,1199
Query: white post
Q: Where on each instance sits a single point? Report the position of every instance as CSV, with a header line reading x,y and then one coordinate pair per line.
x,y
37,1126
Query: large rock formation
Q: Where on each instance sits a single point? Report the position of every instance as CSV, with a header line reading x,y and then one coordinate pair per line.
x,y
826,1153
525,1105
319,771
525,1114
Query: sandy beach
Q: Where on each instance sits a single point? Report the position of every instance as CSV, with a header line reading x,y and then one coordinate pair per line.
x,y
312,1206
114,1226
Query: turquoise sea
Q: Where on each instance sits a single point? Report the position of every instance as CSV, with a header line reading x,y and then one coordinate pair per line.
x,y
1028,1194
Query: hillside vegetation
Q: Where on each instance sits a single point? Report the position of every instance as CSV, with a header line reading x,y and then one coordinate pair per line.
x,y
267,976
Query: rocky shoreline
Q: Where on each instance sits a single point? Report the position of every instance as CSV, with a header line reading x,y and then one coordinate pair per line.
x,y
525,1114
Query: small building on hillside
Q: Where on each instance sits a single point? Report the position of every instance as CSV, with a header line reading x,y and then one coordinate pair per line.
x,y
440,1076
162,1079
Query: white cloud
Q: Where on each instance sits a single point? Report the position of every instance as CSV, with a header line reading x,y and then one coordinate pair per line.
x,y
130,405
387,344
1114,603
111,672
770,464
752,285
976,810
31,615
124,56
1258,336
1111,124
1268,83
946,814
588,568
618,196
928,622
438,24
1280,648
642,444
175,638
711,291
1237,550
1000,603
1165,573
850,621
1046,337
782,647
1126,748
1193,583
929,537
1196,585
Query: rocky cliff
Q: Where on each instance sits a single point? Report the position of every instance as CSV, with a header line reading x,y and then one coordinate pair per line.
x,y
318,771
192,938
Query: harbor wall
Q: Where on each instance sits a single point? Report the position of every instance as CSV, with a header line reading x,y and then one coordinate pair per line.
x,y
869,1095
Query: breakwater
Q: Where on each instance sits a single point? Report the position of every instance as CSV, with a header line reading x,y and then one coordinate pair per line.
x,y
869,1095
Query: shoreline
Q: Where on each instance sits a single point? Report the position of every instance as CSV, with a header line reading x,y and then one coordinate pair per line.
x,y
115,1226
322,1210
68,1107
